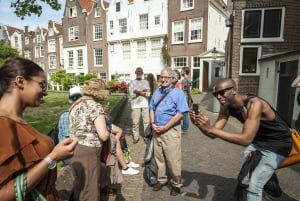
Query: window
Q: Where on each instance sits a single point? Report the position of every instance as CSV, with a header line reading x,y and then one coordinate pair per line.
x,y
155,47
97,12
38,39
196,62
26,40
179,62
118,7
73,33
141,49
249,60
27,54
264,25
42,51
123,25
111,27
70,59
103,76
195,30
144,22
126,50
178,32
72,12
157,20
80,58
98,32
98,57
37,50
16,39
51,45
52,62
187,4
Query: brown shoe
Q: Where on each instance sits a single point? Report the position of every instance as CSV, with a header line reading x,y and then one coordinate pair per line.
x,y
158,186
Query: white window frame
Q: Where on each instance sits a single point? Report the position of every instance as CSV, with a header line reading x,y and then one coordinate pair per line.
x,y
196,61
126,48
176,60
52,62
257,58
144,22
97,32
70,59
184,5
42,51
155,47
123,25
178,28
73,33
51,45
98,57
98,12
111,27
157,20
195,24
141,49
79,58
261,38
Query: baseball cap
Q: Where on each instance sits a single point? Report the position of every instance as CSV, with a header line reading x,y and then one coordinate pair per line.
x,y
76,90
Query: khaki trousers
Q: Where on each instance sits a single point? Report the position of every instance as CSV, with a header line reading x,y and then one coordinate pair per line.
x,y
136,115
167,153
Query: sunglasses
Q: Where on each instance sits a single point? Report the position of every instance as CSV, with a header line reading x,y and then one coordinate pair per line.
x,y
164,77
221,92
43,84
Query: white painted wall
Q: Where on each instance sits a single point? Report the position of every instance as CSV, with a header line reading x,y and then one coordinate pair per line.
x,y
19,46
132,12
75,69
268,82
217,30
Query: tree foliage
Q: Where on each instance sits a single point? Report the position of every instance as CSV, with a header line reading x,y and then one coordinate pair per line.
x,y
6,51
25,8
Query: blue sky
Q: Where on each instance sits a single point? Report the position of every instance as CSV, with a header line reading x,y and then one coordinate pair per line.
x,y
8,16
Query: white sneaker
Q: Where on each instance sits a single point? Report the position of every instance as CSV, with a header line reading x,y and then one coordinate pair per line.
x,y
133,165
130,171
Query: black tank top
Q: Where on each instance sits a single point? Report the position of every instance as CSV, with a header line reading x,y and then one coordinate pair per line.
x,y
272,135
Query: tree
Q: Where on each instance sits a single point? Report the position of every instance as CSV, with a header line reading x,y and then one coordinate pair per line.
x,y
6,51
28,7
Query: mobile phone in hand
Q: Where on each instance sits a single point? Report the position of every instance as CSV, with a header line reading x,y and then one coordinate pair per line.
x,y
196,108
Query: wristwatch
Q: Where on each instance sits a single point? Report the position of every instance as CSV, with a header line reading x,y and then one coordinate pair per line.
x,y
51,163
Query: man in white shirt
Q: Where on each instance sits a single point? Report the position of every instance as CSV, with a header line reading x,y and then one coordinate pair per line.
x,y
139,91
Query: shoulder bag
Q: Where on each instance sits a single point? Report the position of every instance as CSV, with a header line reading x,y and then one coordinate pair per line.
x,y
148,130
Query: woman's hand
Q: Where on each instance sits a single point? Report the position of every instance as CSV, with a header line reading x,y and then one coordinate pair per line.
x,y
64,149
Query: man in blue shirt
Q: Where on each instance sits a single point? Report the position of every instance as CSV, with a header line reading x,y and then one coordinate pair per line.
x,y
165,121
63,123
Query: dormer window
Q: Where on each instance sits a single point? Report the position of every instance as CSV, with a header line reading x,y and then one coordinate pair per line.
x,y
118,7
72,12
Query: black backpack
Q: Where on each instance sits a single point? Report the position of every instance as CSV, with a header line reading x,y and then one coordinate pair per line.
x,y
54,134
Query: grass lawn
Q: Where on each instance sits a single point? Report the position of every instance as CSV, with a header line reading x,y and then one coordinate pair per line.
x,y
45,117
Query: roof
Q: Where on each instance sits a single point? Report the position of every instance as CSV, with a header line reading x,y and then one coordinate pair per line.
x,y
12,30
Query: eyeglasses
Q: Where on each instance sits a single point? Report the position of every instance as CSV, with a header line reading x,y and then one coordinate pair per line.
x,y
221,92
43,84
164,77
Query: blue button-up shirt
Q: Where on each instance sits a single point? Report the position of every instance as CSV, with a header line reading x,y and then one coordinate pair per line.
x,y
63,126
175,102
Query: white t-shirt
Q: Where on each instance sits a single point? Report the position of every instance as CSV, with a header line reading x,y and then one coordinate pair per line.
x,y
138,101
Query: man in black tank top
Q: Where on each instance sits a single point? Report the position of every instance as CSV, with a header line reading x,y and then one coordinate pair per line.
x,y
263,130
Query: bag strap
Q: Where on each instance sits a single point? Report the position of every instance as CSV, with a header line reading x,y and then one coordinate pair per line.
x,y
77,102
163,97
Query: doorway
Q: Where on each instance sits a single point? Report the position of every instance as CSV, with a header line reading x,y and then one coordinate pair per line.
x,y
285,97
